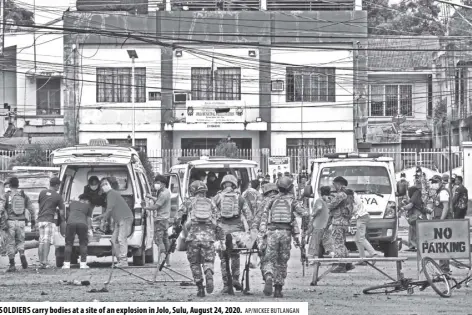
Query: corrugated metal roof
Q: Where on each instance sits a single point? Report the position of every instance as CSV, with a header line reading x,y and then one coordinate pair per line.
x,y
388,57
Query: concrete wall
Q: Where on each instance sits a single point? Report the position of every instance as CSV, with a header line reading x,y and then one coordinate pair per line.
x,y
279,139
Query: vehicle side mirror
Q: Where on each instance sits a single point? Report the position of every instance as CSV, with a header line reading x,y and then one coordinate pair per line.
x,y
308,192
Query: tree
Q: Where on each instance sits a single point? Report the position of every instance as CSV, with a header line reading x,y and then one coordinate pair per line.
x,y
227,148
147,165
36,155
409,17
19,15
457,25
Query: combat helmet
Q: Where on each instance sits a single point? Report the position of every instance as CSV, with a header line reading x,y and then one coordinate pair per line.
x,y
229,179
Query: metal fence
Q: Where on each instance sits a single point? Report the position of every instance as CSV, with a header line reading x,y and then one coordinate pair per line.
x,y
162,160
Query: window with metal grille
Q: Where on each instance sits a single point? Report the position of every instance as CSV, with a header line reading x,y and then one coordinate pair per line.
x,y
308,84
391,100
141,144
114,85
202,86
228,83
48,96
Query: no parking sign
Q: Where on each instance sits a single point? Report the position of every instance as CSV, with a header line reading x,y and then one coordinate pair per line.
x,y
443,239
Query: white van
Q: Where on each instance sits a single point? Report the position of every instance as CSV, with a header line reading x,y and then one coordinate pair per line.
x,y
182,175
81,162
372,177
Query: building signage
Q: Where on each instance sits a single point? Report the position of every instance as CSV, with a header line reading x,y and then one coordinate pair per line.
x,y
279,164
215,112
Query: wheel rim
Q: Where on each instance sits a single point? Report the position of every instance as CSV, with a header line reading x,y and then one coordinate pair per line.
x,y
437,278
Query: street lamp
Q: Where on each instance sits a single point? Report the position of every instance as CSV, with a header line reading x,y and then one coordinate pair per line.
x,y
133,55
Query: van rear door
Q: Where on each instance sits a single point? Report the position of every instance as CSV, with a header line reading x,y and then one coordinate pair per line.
x,y
173,184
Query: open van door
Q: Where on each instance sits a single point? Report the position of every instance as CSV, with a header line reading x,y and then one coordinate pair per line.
x,y
173,184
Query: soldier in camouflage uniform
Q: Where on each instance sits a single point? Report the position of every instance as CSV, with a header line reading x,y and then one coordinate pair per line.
x,y
252,197
269,191
233,215
203,231
340,216
277,222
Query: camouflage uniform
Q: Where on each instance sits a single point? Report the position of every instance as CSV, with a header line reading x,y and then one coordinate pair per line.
x,y
279,241
200,246
229,226
253,199
338,226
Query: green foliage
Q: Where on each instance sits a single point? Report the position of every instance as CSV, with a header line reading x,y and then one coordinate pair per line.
x,y
227,149
36,155
440,111
18,14
409,17
147,166
457,25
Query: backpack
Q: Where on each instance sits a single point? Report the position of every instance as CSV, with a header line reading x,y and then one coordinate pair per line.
x,y
348,207
463,201
402,187
229,205
201,210
18,202
281,211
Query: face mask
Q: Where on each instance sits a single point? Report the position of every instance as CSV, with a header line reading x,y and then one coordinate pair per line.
x,y
157,186
106,188
435,186
94,187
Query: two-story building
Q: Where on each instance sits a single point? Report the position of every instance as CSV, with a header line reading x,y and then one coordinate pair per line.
x,y
31,81
402,91
258,72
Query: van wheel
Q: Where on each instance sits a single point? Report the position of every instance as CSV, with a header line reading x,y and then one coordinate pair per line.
x,y
390,249
140,258
59,256
151,255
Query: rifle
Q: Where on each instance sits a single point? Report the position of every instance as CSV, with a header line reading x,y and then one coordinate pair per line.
x,y
229,249
247,268
173,243
303,257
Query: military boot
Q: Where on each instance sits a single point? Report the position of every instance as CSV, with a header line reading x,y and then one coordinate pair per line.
x,y
201,289
24,263
236,284
268,284
278,291
209,281
12,267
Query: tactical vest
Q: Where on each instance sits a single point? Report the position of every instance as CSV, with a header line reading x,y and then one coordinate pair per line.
x,y
251,198
438,206
229,205
281,211
201,210
17,202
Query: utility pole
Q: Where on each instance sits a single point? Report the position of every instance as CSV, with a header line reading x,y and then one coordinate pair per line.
x,y
133,93
2,25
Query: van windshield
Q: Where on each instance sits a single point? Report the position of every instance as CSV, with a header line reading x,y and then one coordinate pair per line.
x,y
372,179
214,176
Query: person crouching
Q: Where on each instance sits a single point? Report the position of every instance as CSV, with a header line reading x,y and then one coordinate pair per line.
x,y
78,223
203,231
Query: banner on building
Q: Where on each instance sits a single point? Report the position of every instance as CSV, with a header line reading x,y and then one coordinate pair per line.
x,y
279,164
215,111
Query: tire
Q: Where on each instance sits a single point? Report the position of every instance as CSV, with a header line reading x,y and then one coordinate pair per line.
x,y
436,277
390,249
59,257
140,258
149,259
386,288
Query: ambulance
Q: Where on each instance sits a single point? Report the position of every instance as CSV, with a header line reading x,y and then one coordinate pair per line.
x,y
372,177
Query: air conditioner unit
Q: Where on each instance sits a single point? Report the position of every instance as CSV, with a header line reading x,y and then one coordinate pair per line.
x,y
277,86
180,97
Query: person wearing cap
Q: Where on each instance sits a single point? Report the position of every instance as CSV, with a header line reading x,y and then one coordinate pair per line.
x,y
402,186
460,199
441,209
161,213
79,221
50,202
340,216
